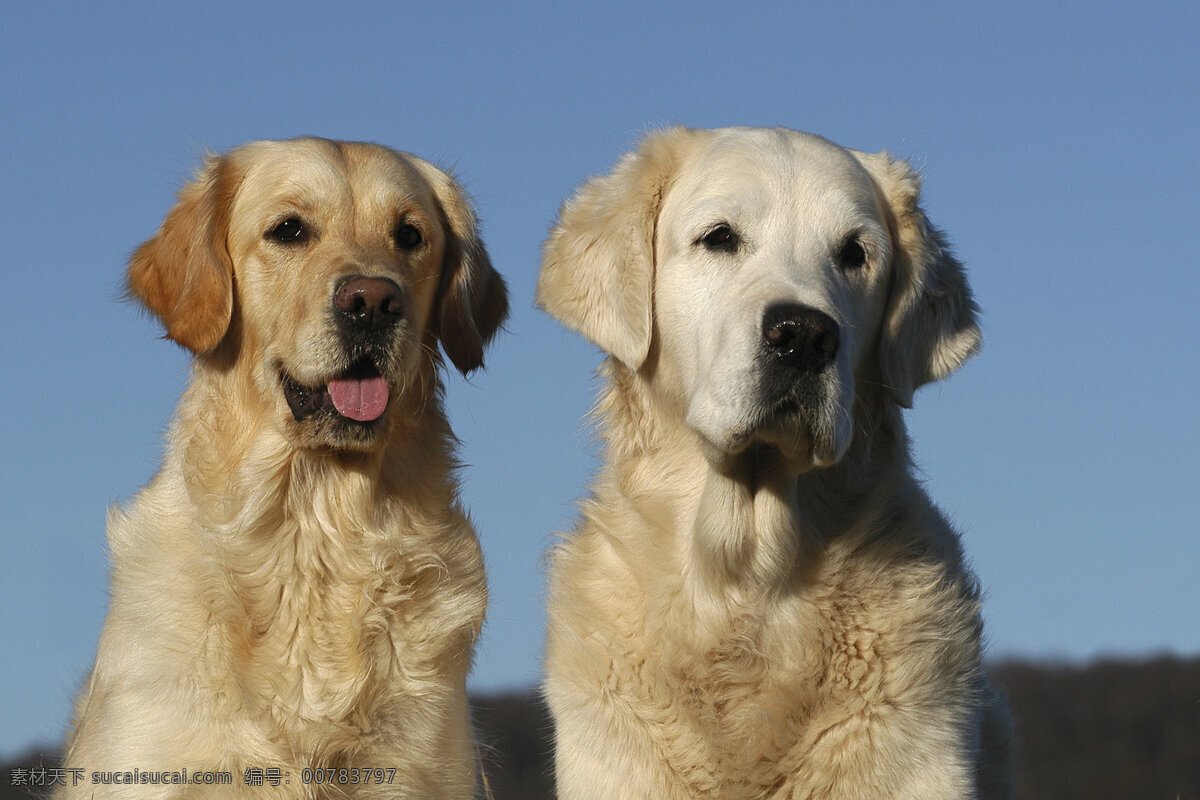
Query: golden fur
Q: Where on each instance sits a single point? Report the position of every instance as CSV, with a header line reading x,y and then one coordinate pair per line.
x,y
760,601
294,589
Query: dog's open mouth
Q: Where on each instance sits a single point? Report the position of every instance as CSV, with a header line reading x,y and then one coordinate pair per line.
x,y
360,394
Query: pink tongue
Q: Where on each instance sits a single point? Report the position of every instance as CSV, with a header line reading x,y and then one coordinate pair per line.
x,y
361,400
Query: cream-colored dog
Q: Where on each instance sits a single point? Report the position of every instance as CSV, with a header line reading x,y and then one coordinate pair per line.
x,y
760,600
297,592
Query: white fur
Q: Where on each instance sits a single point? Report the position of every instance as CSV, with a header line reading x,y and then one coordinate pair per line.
x,y
760,604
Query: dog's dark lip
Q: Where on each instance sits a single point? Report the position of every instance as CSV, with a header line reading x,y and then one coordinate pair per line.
x,y
304,401
787,410
308,401
788,406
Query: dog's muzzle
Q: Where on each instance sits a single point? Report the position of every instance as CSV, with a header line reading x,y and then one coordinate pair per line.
x,y
367,306
366,310
798,345
802,340
797,359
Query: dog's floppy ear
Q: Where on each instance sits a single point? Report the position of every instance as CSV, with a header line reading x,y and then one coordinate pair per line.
x,y
929,327
598,263
472,300
184,273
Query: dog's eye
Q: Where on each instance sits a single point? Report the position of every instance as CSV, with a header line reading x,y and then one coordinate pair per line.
x,y
406,236
722,238
290,231
852,255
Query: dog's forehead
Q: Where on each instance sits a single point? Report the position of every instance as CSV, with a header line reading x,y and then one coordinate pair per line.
x,y
383,174
319,172
753,170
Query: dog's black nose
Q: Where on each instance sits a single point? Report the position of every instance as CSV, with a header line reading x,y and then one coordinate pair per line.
x,y
801,337
369,303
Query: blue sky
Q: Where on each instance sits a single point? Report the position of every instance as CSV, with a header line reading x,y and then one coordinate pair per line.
x,y
1059,147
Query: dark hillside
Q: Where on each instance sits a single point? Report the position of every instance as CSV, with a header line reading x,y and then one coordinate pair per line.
x,y
1108,731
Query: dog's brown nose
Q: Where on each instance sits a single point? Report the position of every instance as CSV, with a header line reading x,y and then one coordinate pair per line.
x,y
801,337
369,302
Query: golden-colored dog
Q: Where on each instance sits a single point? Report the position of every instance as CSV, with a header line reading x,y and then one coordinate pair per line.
x,y
297,592
760,600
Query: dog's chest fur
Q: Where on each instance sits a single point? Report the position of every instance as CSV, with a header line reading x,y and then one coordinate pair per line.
x,y
317,595
331,621
738,689
313,630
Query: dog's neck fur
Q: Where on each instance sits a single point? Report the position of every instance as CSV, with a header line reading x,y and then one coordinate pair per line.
x,y
746,522
323,553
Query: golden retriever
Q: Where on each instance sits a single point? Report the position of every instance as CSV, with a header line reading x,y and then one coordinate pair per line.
x,y
760,601
296,594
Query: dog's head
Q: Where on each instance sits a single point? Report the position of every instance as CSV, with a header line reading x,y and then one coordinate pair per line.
x,y
758,279
329,270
